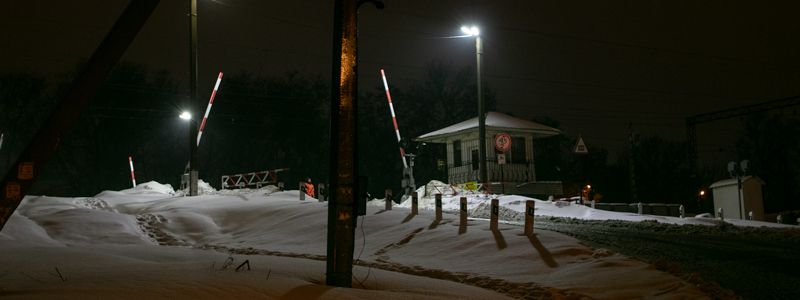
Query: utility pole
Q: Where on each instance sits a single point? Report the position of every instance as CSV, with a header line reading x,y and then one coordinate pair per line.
x,y
632,163
481,114
343,165
190,107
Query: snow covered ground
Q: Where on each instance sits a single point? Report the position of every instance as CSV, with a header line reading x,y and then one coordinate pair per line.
x,y
152,242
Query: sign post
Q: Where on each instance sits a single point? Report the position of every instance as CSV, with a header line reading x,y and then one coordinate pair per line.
x,y
502,143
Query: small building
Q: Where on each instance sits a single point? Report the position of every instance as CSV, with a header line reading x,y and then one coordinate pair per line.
x,y
517,175
726,196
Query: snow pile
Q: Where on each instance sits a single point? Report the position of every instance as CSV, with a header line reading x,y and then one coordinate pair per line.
x,y
149,242
151,187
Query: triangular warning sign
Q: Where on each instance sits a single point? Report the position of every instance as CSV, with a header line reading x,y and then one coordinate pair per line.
x,y
580,147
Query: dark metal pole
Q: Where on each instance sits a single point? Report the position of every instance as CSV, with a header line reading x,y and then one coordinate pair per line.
x,y
341,217
481,115
192,99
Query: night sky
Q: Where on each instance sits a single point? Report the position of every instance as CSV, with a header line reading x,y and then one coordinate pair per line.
x,y
595,66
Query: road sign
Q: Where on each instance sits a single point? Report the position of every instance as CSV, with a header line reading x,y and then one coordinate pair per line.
x,y
502,142
25,171
13,191
580,147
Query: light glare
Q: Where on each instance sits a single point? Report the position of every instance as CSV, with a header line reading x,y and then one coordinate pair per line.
x,y
185,115
471,31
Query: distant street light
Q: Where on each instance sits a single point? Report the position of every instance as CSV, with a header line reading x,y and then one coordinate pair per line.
x,y
474,31
185,115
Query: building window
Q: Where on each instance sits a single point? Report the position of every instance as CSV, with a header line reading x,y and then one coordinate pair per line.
x,y
475,159
457,153
518,150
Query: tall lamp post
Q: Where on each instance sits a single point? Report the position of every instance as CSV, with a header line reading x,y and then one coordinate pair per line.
x,y
186,177
474,31
192,97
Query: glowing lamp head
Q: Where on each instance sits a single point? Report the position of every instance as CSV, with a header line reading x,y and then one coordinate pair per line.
x,y
471,31
185,115
702,193
588,186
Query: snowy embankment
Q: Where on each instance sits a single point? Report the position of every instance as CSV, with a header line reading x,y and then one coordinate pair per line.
x,y
151,242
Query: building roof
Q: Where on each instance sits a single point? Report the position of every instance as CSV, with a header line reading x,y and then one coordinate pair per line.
x,y
732,181
494,121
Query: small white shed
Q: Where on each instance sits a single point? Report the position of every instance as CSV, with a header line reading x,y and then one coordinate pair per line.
x,y
517,174
726,196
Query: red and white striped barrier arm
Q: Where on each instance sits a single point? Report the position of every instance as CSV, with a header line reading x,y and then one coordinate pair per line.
x,y
208,108
133,178
394,119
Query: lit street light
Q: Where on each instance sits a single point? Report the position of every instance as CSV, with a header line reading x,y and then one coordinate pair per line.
x,y
474,31
185,115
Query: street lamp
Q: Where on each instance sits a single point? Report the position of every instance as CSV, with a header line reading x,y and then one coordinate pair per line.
x,y
474,31
185,115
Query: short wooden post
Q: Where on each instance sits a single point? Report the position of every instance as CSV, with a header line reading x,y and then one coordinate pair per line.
x,y
321,192
463,211
414,202
438,200
302,189
388,194
495,214
530,207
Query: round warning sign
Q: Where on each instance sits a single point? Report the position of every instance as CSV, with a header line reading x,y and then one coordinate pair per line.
x,y
502,142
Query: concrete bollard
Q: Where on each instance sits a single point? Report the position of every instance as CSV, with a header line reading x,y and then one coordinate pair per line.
x,y
639,208
750,215
721,214
530,208
302,189
438,198
389,196
682,211
495,214
414,203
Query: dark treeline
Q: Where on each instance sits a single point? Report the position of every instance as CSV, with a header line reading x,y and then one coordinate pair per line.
x,y
260,123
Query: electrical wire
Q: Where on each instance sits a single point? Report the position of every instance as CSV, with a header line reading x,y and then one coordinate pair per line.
x,y
363,245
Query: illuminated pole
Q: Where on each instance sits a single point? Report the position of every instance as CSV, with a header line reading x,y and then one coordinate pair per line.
x,y
343,164
474,31
341,207
192,97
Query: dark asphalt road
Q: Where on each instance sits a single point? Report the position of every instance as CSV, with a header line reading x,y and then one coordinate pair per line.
x,y
755,263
